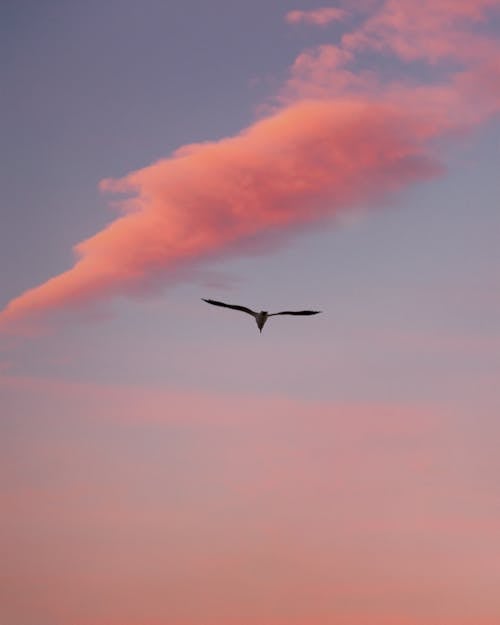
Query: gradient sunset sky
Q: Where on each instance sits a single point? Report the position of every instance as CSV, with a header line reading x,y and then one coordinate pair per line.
x,y
161,463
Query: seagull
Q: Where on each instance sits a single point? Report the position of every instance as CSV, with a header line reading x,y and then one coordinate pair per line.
x,y
262,316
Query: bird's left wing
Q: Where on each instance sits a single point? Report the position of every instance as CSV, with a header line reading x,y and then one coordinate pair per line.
x,y
296,312
233,306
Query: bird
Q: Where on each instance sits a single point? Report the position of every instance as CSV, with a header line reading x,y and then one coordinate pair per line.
x,y
262,316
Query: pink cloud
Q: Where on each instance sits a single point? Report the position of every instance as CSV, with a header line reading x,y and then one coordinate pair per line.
x,y
310,160
341,136
318,17
431,30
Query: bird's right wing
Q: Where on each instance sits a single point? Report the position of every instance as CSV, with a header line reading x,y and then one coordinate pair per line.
x,y
233,306
296,312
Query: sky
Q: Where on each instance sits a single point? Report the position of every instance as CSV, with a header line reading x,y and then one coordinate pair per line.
x,y
163,463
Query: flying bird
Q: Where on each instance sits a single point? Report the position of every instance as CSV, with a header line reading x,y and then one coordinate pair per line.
x,y
262,316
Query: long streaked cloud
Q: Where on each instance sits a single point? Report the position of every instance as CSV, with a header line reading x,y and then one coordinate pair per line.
x,y
312,159
338,135
318,17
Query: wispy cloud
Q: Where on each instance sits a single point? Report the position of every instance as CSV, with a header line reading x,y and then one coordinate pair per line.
x,y
318,17
338,136
233,494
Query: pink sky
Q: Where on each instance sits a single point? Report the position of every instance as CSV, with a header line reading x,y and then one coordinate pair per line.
x,y
227,526
161,462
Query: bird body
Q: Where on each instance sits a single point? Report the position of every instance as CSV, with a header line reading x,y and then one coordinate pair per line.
x,y
262,316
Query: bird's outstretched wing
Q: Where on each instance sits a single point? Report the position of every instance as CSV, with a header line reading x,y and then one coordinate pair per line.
x,y
242,308
296,312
